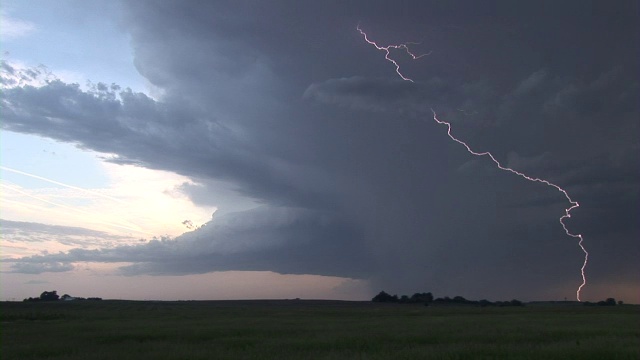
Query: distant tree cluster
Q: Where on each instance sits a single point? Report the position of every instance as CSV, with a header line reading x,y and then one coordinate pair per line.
x,y
427,298
53,296
415,298
483,302
608,302
46,296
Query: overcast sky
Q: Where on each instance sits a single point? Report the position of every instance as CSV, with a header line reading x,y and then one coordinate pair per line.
x,y
328,176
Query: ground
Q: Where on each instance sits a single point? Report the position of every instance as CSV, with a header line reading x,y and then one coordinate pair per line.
x,y
303,329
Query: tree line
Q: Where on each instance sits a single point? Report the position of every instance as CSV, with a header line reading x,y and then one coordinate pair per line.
x,y
53,296
427,298
608,302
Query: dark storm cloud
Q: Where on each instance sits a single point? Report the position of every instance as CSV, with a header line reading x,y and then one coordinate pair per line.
x,y
391,95
286,240
364,94
287,104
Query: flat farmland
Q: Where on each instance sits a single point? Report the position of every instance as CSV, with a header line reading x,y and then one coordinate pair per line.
x,y
309,329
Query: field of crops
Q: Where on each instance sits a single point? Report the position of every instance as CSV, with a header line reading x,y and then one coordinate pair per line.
x,y
299,329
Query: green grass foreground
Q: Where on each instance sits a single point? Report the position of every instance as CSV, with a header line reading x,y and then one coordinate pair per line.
x,y
292,329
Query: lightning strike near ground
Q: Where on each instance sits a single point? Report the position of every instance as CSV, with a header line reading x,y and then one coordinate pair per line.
x,y
573,204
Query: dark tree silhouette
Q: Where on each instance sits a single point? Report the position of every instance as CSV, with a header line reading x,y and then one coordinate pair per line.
x,y
384,297
421,298
427,298
515,302
49,296
610,301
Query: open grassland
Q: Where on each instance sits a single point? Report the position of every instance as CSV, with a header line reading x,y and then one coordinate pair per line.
x,y
292,329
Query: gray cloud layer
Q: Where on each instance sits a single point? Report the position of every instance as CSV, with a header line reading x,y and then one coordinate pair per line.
x,y
287,103
21,231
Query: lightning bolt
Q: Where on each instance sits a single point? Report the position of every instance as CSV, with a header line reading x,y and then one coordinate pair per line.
x,y
572,204
387,50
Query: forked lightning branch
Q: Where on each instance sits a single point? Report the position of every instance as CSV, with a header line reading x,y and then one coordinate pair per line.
x,y
573,204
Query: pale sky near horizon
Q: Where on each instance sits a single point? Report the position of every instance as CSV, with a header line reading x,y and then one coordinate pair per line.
x,y
123,119
31,37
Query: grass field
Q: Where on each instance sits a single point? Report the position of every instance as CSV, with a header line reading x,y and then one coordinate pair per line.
x,y
292,329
